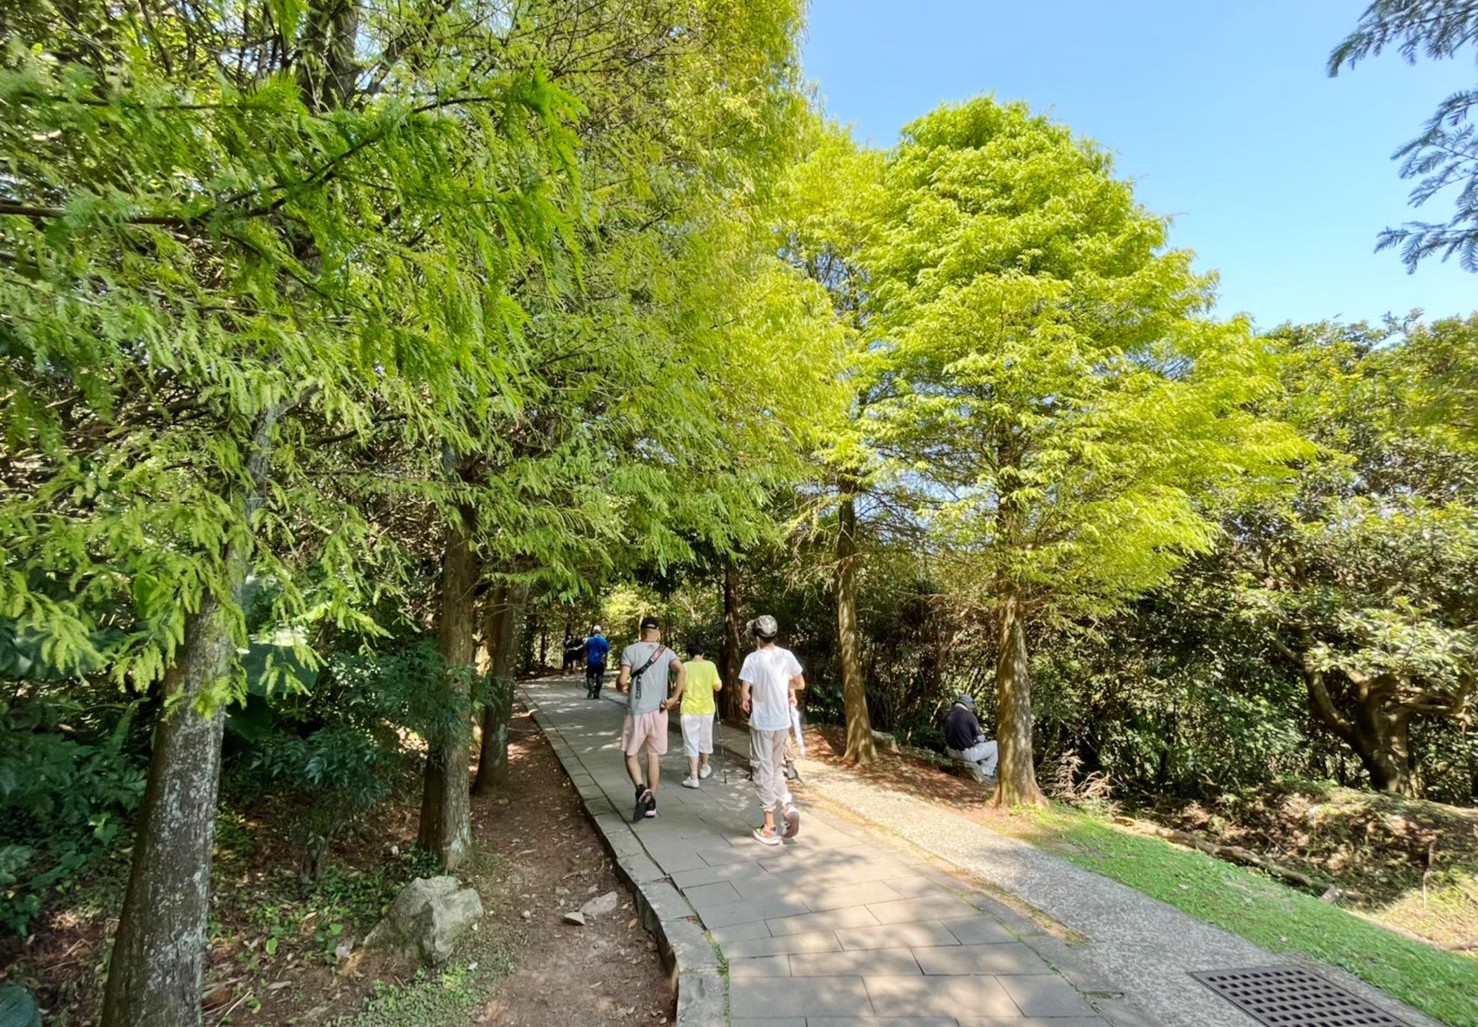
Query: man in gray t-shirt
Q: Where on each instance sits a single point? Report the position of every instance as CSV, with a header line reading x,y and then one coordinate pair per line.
x,y
647,670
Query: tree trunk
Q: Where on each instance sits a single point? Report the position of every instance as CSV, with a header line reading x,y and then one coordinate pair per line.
x,y
1384,747
445,829
156,971
731,658
158,963
497,715
1016,774
861,749
1378,734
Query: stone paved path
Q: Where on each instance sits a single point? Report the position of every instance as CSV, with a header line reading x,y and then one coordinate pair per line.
x,y
837,927
1146,948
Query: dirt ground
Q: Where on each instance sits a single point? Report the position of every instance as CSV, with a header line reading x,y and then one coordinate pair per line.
x,y
282,953
607,972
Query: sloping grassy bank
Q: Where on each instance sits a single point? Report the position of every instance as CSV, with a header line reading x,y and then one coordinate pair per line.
x,y
1440,983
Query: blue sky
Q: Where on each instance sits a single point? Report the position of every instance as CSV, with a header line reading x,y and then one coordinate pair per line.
x,y
1276,175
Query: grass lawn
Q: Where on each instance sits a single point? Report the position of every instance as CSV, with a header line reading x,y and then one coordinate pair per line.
x,y
1440,983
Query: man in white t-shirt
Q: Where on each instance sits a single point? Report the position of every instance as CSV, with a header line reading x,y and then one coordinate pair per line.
x,y
768,682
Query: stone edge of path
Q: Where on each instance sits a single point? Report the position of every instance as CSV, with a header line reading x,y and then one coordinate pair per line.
x,y
692,965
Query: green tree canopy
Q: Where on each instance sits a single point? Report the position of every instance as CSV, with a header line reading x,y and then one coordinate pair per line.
x,y
1055,389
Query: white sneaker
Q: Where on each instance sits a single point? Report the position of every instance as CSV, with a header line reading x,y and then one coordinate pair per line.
x,y
690,782
705,771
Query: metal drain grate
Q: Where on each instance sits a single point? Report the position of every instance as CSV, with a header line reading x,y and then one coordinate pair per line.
x,y
1290,996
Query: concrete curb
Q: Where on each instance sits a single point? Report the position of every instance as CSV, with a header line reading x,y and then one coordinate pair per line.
x,y
693,967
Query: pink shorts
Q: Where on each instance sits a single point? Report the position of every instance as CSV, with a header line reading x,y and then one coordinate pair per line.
x,y
645,728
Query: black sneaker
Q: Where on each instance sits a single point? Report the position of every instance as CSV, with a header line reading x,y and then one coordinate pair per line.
x,y
645,800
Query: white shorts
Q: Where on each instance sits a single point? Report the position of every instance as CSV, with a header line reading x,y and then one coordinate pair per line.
x,y
697,733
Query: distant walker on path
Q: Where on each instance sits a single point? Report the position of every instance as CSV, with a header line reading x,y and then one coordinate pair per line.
x,y
596,648
768,682
647,668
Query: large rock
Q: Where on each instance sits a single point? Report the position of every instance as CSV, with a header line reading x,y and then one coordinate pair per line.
x,y
601,906
426,920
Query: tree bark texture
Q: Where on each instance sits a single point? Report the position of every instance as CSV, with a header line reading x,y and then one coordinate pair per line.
x,y
158,965
861,749
497,714
445,829
731,657
1016,773
156,971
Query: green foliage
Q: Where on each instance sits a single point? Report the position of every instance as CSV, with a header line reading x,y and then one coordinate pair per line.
x,y
1051,385
339,747
203,263
68,781
1442,157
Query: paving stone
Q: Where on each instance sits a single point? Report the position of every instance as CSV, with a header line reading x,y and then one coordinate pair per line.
x,y
700,999
759,966
924,907
753,851
873,962
781,1021
1045,995
832,919
789,996
685,945
640,869
821,941
705,896
674,859
749,910
908,887
896,936
849,895
835,868
939,996
979,930
734,933
666,901
1010,958
891,1021
711,875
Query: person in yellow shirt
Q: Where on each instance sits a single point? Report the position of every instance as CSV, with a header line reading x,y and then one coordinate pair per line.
x,y
698,711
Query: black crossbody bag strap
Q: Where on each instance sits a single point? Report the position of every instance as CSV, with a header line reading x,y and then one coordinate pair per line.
x,y
636,674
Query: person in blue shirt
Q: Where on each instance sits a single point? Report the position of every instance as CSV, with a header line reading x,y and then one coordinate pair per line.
x,y
596,648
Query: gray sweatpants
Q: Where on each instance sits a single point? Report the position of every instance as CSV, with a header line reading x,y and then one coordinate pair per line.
x,y
767,760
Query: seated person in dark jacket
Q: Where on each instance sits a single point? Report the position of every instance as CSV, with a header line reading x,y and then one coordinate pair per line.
x,y
965,740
